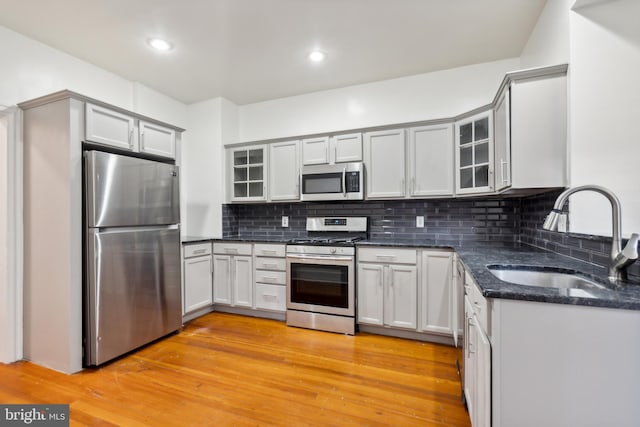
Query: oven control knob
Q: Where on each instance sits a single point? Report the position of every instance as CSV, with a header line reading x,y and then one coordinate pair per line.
x,y
333,250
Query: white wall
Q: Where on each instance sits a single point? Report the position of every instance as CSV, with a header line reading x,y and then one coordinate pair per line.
x,y
548,43
605,111
209,123
31,69
436,95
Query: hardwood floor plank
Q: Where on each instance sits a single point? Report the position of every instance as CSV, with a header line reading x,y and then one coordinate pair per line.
x,y
223,369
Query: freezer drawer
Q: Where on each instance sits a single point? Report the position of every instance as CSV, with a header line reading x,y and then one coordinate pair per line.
x,y
127,191
133,293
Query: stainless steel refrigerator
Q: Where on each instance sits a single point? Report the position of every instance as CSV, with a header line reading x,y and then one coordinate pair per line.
x,y
132,287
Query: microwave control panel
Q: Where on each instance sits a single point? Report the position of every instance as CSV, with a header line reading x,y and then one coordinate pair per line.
x,y
353,182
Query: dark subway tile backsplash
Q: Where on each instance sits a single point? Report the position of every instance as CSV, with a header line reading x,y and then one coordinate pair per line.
x,y
457,221
453,220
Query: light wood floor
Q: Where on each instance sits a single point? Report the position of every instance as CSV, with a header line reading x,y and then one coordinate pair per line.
x,y
225,369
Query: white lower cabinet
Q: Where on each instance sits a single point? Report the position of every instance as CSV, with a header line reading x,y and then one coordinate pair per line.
x,y
198,277
233,274
477,357
436,292
387,287
270,277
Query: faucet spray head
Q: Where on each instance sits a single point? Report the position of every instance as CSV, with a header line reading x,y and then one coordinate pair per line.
x,y
551,223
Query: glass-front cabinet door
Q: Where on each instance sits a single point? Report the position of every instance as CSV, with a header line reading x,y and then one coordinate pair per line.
x,y
248,171
474,154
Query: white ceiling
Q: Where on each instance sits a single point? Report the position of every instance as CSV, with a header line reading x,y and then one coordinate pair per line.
x,y
253,50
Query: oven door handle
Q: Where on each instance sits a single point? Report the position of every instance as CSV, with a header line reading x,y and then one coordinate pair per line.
x,y
322,258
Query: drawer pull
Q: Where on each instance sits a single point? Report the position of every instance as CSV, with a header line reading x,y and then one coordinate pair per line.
x,y
233,250
386,256
199,251
270,297
268,265
269,279
268,252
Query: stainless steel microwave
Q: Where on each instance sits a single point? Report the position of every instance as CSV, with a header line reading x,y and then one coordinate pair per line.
x,y
343,181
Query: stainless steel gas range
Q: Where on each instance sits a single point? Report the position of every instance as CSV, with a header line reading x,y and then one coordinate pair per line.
x,y
321,277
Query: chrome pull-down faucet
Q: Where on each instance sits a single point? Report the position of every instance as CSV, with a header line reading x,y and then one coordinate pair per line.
x,y
619,259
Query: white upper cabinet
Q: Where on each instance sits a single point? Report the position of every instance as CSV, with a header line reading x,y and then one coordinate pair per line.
x,y
536,129
315,151
474,154
108,127
157,140
346,148
115,129
247,167
502,141
335,149
430,161
284,171
384,158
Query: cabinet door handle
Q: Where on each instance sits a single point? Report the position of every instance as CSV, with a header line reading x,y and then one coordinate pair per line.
x,y
131,137
211,265
503,171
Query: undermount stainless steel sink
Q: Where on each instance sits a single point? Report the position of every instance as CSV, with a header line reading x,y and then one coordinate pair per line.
x,y
571,283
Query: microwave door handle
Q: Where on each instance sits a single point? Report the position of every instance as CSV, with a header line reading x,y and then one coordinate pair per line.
x,y
300,183
344,182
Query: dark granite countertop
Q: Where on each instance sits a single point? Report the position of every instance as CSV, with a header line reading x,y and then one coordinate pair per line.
x,y
476,256
196,239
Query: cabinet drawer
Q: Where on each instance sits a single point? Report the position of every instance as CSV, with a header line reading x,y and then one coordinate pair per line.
x,y
273,277
277,264
198,249
232,248
271,297
387,255
261,249
477,300
480,308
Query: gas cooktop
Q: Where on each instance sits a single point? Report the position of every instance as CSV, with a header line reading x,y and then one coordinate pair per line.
x,y
325,241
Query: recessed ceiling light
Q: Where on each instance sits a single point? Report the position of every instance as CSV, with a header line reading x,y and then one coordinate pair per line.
x,y
159,44
317,56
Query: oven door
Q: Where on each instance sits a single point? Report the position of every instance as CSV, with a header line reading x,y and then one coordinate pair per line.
x,y
321,284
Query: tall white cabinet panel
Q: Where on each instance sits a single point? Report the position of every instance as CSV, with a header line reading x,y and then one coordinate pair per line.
x,y
474,154
284,171
370,294
109,127
402,288
315,151
198,277
346,148
384,157
430,161
436,292
157,140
